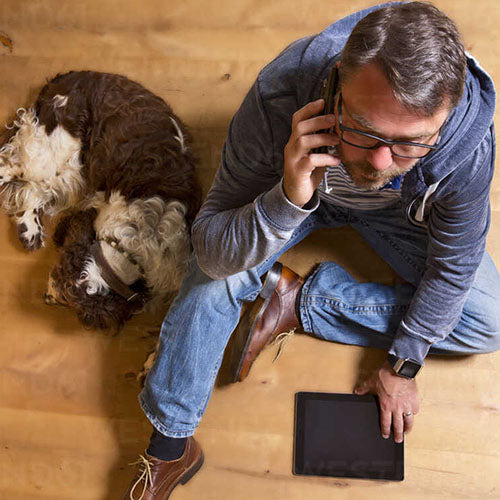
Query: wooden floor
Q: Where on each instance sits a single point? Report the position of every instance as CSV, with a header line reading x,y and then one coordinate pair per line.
x,y
69,420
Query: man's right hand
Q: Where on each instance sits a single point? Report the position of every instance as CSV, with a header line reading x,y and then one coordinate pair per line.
x,y
303,170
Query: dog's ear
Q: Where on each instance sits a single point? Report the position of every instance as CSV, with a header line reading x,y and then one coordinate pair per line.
x,y
76,226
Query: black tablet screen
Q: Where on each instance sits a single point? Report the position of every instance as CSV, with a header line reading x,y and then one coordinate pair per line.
x,y
339,435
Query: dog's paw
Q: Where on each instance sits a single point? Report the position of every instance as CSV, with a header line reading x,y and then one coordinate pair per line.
x,y
30,241
141,376
30,230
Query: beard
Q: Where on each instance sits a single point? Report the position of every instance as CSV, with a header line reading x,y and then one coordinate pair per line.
x,y
364,176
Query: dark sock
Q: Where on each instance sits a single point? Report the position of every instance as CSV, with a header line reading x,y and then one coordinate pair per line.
x,y
164,447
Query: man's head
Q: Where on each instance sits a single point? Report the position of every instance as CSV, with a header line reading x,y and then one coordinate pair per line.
x,y
401,72
418,49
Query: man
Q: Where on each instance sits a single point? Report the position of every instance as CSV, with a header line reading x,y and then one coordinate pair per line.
x,y
409,165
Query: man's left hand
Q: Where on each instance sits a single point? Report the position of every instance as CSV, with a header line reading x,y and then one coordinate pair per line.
x,y
398,399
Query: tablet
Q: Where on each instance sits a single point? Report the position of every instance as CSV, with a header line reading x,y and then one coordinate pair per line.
x,y
339,435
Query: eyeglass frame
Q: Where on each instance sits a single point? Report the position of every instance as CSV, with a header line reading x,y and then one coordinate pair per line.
x,y
381,141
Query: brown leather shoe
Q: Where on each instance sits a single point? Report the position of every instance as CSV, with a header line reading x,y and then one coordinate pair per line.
x,y
271,314
155,479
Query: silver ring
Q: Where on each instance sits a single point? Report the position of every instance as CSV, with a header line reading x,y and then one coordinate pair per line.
x,y
408,414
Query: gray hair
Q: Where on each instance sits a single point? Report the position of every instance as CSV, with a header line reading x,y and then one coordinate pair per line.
x,y
418,48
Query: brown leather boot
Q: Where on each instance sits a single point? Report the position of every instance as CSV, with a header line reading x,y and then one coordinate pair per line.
x,y
271,314
155,479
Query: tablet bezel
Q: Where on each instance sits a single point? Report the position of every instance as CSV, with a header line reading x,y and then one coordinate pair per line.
x,y
298,449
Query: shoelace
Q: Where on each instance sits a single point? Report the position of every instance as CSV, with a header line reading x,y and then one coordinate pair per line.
x,y
282,340
145,473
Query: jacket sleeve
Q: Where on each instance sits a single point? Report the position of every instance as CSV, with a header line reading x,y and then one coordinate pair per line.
x,y
457,226
246,216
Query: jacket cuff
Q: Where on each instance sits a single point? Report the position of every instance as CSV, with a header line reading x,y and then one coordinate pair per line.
x,y
281,212
406,346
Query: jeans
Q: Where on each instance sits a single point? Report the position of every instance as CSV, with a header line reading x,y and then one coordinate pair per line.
x,y
333,306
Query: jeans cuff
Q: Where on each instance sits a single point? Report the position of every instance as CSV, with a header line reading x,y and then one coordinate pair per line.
x,y
160,426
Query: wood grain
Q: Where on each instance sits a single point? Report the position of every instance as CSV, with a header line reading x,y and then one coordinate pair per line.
x,y
69,422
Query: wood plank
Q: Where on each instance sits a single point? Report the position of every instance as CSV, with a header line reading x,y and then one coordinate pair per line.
x,y
69,419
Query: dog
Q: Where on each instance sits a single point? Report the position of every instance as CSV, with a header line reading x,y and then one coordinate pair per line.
x,y
116,162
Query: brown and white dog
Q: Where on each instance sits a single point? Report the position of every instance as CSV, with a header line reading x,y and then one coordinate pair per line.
x,y
117,159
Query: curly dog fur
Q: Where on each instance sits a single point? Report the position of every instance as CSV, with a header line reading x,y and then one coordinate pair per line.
x,y
116,159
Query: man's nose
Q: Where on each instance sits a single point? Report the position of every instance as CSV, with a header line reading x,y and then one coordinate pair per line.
x,y
380,158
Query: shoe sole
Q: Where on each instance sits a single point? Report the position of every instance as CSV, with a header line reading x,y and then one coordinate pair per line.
x,y
187,475
242,338
192,471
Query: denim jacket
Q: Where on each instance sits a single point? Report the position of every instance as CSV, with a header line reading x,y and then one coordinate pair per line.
x,y
246,217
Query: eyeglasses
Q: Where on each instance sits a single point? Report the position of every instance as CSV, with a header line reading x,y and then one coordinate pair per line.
x,y
364,140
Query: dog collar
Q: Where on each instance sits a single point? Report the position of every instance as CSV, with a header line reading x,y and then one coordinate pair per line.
x,y
109,276
113,243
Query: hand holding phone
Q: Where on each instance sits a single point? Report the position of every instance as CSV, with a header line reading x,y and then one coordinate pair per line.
x,y
306,153
311,147
304,168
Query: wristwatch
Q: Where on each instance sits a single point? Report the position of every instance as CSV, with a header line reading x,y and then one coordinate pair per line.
x,y
404,367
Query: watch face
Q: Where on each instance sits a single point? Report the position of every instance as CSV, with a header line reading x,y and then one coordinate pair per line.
x,y
409,369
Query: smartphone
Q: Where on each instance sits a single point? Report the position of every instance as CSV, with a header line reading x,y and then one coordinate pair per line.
x,y
328,94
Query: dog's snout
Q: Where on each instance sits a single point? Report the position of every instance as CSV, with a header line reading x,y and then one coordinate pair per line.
x,y
50,300
51,296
